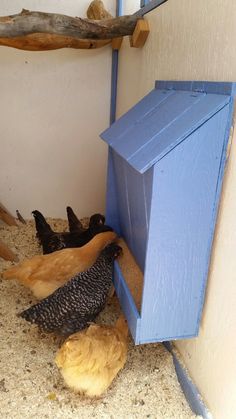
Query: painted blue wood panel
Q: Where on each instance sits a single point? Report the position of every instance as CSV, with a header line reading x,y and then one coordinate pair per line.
x,y
181,225
174,133
148,6
122,198
133,193
148,189
162,197
144,2
114,78
145,131
219,88
224,157
138,214
136,113
112,208
159,123
190,390
114,70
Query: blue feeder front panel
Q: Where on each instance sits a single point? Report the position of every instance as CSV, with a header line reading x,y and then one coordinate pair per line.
x,y
166,161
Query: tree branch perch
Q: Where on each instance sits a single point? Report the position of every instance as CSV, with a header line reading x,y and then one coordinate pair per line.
x,y
26,23
42,31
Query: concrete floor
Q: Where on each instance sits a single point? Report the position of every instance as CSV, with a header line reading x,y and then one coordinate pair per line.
x,y
30,383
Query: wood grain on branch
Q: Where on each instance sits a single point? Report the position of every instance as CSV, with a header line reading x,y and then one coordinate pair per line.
x,y
38,31
27,23
47,41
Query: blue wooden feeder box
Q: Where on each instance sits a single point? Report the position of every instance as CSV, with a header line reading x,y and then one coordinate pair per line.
x,y
166,161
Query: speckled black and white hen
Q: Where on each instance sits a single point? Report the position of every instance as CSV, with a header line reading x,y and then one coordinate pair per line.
x,y
71,307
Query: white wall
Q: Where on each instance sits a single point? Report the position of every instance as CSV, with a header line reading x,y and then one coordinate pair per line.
x,y
53,105
190,40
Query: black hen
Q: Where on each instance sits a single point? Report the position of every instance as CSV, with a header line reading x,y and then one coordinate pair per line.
x,y
52,241
76,225
42,227
96,220
72,306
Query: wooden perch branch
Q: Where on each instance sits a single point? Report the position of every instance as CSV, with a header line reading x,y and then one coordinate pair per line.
x,y
6,216
26,23
46,42
7,253
39,31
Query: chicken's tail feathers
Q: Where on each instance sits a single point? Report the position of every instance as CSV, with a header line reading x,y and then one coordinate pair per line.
x,y
74,223
29,315
41,224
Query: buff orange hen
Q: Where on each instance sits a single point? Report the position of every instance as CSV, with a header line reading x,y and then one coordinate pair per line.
x,y
43,274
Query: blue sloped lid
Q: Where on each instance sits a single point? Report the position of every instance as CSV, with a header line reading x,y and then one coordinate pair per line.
x,y
163,119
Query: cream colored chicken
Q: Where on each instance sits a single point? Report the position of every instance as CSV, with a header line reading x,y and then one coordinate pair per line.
x,y
89,360
43,274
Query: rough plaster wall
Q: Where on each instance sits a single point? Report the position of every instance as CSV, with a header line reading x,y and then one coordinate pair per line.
x,y
53,106
196,40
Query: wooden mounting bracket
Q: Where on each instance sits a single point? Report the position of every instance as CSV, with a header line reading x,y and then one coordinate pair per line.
x,y
116,43
140,34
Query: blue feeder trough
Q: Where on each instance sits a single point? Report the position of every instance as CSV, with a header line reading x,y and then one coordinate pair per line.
x,y
166,161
